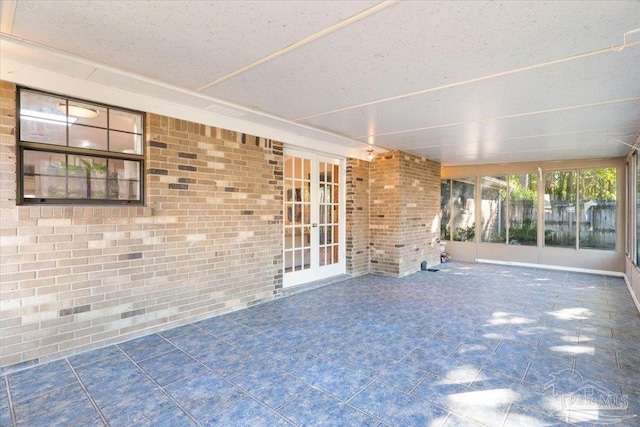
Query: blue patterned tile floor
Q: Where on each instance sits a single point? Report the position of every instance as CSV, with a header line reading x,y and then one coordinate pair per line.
x,y
468,345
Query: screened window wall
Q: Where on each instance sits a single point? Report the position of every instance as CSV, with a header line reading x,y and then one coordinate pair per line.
x,y
508,212
582,209
579,209
507,209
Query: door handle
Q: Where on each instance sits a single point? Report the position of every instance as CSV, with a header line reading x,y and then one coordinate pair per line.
x,y
314,225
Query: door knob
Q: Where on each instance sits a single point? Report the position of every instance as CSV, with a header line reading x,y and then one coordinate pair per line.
x,y
314,225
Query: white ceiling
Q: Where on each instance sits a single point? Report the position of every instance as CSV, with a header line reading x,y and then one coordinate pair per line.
x,y
457,82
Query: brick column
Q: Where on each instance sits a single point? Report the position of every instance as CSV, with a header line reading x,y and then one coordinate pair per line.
x,y
404,213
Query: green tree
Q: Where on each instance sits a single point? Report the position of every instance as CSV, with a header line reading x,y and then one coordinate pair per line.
x,y
598,184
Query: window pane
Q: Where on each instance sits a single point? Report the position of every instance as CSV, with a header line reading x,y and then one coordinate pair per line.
x,y
87,177
598,209
523,212
494,208
41,120
124,182
88,137
463,225
60,176
445,209
121,142
125,121
560,209
44,175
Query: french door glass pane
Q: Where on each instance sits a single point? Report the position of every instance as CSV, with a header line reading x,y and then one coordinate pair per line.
x,y
328,199
297,217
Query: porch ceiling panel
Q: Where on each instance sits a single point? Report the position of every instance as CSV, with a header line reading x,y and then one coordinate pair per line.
x,y
540,91
457,82
187,43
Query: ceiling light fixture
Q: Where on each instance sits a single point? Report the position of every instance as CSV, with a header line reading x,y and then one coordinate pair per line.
x,y
78,111
370,154
39,116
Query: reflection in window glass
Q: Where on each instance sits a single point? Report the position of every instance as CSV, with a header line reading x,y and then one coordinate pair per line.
x,y
445,209
125,121
523,212
42,119
88,137
493,209
463,210
62,176
125,142
598,209
560,192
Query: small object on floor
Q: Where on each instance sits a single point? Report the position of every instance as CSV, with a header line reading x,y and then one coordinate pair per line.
x,y
444,257
432,269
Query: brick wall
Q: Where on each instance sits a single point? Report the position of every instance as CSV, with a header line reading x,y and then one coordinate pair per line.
x,y
384,226
357,226
404,209
208,241
419,213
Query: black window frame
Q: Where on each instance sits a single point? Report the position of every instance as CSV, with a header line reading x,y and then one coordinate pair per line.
x,y
22,146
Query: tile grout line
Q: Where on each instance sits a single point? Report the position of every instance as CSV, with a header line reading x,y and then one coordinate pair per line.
x,y
12,410
93,402
224,378
161,388
506,414
373,380
526,371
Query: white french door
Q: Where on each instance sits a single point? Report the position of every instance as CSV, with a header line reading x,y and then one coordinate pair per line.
x,y
313,217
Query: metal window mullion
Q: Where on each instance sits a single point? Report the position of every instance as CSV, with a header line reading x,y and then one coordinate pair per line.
x,y
577,225
507,225
37,146
108,130
66,176
632,208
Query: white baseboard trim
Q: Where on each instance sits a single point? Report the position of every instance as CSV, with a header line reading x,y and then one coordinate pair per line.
x,y
633,295
553,267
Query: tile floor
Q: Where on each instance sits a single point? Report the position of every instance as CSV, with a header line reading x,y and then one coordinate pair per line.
x,y
471,344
